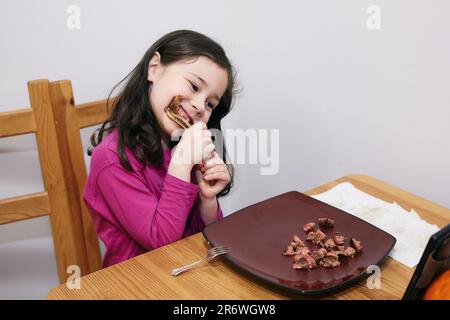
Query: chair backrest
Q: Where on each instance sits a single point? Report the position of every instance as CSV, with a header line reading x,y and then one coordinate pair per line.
x,y
70,119
61,194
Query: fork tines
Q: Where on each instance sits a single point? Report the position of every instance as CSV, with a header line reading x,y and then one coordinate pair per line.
x,y
220,249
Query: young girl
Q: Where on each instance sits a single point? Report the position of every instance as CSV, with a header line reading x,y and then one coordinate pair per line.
x,y
142,191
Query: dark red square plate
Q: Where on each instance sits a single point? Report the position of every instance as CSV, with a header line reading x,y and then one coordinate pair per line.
x,y
258,234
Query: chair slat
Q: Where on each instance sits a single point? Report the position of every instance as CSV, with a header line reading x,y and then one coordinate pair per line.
x,y
17,122
90,114
24,207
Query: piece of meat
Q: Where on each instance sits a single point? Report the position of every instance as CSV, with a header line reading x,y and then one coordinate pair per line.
x,y
298,241
330,260
289,251
172,111
339,253
339,250
309,227
329,244
304,262
319,254
302,250
339,239
356,244
349,252
295,247
310,236
319,237
299,255
326,222
294,244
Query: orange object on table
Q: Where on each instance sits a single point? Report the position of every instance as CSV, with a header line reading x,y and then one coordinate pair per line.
x,y
439,289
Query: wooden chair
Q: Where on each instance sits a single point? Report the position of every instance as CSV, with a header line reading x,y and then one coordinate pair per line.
x,y
74,240
70,119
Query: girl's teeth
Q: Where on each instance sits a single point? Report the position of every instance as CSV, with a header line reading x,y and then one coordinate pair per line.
x,y
185,117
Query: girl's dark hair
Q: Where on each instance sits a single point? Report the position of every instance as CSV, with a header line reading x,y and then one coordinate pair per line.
x,y
132,113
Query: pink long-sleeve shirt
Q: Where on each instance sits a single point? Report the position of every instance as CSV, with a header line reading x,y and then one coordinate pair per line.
x,y
137,212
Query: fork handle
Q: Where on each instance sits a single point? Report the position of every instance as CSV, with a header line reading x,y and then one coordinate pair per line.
x,y
177,271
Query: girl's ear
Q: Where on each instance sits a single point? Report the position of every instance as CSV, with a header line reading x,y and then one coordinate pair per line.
x,y
154,67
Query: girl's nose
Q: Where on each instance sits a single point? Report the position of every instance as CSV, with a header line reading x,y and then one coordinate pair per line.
x,y
199,106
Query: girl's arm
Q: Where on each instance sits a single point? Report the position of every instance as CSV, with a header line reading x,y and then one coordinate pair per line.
x,y
209,210
197,224
151,221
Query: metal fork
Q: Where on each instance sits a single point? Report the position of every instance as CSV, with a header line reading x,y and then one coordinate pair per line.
x,y
212,253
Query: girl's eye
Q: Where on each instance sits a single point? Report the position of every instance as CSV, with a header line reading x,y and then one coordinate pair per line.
x,y
194,87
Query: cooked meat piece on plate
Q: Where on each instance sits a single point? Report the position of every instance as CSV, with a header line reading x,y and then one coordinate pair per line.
x,y
319,237
326,222
339,239
330,260
304,262
356,244
298,241
319,254
302,250
350,252
329,244
309,227
310,236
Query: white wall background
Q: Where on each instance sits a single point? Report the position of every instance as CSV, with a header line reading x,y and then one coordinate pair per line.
x,y
346,99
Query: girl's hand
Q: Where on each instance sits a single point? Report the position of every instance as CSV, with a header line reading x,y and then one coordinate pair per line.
x,y
216,171
195,146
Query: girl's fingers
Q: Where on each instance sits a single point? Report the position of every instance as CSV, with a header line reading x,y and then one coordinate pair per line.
x,y
218,181
200,178
210,163
217,187
207,151
217,168
215,160
207,134
215,156
221,175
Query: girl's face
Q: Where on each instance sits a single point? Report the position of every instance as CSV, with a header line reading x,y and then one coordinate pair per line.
x,y
199,81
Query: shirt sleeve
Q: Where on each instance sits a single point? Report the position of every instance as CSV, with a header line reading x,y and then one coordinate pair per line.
x,y
152,222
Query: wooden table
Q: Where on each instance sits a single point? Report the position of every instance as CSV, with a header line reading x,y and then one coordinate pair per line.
x,y
148,276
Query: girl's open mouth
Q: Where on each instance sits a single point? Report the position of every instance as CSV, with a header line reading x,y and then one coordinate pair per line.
x,y
185,115
173,112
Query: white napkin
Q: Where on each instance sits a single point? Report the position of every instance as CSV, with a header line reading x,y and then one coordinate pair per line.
x,y
412,232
